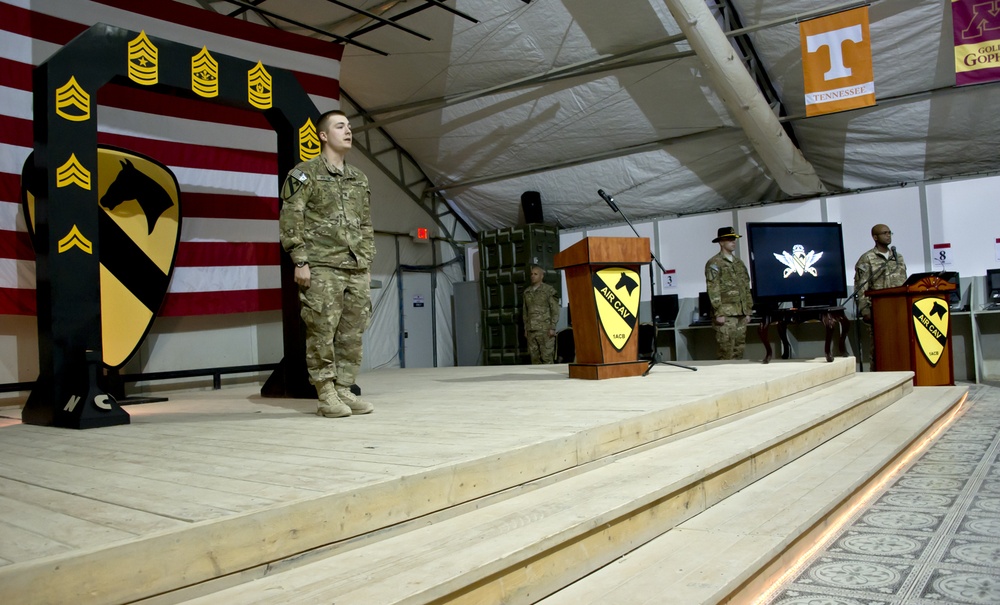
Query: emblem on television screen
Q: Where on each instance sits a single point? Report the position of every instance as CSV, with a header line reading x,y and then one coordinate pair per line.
x,y
798,262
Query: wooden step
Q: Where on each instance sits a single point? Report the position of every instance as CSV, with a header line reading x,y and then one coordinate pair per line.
x,y
733,549
473,434
524,548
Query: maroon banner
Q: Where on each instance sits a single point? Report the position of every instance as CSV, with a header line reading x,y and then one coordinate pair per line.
x,y
976,26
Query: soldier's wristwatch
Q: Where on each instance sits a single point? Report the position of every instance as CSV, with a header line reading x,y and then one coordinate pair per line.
x,y
302,264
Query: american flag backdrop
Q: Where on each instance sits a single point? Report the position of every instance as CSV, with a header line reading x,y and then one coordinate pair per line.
x,y
224,158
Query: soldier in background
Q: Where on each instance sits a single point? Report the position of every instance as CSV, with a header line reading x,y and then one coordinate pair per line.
x,y
728,285
879,268
326,228
541,313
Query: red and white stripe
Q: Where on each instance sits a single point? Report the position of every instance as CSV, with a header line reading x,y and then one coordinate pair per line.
x,y
224,159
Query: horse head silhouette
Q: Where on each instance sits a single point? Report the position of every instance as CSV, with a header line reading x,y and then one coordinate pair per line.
x,y
628,282
133,184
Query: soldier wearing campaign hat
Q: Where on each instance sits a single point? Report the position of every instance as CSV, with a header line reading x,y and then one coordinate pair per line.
x,y
728,285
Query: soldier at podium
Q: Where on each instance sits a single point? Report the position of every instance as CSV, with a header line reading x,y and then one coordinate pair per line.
x,y
879,268
728,284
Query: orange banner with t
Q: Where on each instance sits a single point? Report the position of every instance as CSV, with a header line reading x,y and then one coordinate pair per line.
x,y
837,62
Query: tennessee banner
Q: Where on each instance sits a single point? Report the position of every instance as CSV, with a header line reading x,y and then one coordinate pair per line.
x,y
976,25
837,62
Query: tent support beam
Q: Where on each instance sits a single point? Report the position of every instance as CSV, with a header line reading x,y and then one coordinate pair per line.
x,y
785,162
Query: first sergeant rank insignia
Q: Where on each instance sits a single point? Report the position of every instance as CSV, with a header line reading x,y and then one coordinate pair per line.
x,y
616,293
308,141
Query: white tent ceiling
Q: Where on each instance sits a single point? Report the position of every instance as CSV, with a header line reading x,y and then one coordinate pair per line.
x,y
568,96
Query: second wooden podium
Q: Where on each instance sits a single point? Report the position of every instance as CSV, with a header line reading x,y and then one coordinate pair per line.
x,y
910,325
602,277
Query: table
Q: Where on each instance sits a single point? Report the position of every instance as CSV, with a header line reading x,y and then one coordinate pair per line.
x,y
830,316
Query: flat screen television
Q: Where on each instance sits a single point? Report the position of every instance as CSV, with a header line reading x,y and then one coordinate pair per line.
x,y
800,263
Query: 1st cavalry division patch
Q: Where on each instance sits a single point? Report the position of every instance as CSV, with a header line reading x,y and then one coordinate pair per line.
x,y
616,293
930,322
139,227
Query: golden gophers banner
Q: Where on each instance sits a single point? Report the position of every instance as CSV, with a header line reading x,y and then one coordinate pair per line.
x,y
976,26
837,62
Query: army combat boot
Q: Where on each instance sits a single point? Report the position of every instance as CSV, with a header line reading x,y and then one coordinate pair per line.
x,y
357,404
330,404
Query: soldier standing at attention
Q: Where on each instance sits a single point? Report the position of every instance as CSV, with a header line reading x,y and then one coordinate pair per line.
x,y
728,284
541,313
879,268
326,228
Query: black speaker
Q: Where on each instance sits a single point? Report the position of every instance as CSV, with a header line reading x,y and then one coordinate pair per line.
x,y
665,307
531,204
704,306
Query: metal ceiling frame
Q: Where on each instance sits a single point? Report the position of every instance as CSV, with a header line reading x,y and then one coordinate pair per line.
x,y
376,145
265,13
379,18
269,17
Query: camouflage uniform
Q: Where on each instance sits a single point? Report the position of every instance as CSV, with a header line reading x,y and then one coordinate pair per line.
x,y
541,313
326,222
890,274
728,285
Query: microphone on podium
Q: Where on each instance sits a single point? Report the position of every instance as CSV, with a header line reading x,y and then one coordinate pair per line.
x,y
893,248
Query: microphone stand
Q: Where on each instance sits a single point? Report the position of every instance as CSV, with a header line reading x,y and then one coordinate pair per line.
x,y
657,358
857,315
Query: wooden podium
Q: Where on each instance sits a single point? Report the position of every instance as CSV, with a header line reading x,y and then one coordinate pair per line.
x,y
912,331
602,276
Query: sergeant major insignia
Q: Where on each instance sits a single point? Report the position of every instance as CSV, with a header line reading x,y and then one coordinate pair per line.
x,y
205,74
259,92
616,293
143,60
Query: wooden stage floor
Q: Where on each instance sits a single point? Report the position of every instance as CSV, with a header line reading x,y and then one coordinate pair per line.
x,y
195,479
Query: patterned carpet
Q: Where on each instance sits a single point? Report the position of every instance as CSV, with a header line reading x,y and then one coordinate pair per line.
x,y
931,536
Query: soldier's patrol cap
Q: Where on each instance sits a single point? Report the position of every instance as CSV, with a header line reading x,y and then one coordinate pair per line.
x,y
726,233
